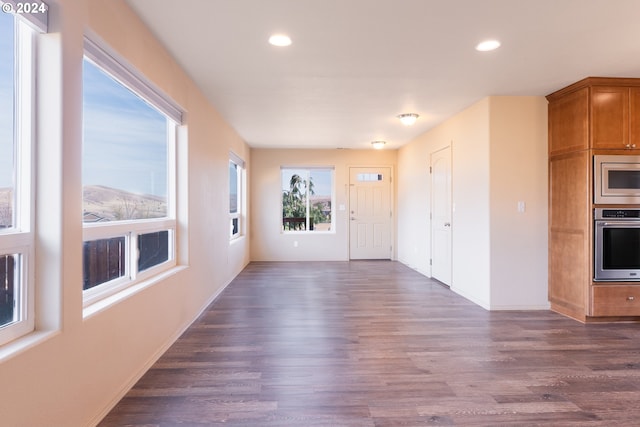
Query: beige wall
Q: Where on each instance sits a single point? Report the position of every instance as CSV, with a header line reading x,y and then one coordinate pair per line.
x,y
518,174
74,368
498,158
268,243
467,134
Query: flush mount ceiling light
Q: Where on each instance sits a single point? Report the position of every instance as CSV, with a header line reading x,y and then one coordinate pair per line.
x,y
408,119
488,45
280,40
378,145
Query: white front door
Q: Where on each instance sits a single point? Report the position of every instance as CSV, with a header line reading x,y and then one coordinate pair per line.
x,y
440,168
370,213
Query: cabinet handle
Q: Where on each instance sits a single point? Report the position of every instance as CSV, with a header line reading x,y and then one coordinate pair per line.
x,y
630,298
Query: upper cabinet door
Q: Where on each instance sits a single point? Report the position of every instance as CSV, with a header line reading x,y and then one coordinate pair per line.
x,y
634,117
569,122
610,117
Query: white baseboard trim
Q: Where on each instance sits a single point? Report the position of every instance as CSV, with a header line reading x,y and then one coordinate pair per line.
x,y
525,307
471,298
425,273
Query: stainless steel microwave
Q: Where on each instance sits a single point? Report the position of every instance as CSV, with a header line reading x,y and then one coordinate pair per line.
x,y
616,179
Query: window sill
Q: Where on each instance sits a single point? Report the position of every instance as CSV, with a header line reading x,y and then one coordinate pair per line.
x,y
235,239
24,343
107,302
308,232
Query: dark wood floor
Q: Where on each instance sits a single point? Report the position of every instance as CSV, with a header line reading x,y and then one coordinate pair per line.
x,y
373,343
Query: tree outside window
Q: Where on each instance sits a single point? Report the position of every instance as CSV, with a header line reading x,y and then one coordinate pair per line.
x,y
307,196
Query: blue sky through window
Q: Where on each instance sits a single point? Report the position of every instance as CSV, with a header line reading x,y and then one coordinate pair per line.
x,y
233,187
321,179
125,139
6,99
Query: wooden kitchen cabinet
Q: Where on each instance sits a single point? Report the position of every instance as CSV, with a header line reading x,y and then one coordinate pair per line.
x,y
616,300
610,117
569,123
592,116
634,116
569,232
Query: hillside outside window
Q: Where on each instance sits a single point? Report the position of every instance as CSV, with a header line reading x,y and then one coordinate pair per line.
x,y
17,118
128,173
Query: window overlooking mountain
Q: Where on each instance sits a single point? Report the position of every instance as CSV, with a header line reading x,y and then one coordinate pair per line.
x,y
128,174
7,120
17,112
124,152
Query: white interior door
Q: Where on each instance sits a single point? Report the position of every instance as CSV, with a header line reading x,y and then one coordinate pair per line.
x,y
370,213
440,168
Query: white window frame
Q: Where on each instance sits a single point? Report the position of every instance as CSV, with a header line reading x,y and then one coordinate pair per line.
x,y
110,63
309,169
19,240
239,214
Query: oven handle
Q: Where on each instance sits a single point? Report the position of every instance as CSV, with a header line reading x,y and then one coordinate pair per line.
x,y
629,224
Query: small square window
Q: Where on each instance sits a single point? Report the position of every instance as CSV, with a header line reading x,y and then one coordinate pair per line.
x,y
369,177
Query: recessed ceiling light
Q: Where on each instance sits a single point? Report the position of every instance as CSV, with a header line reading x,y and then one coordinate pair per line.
x,y
488,45
280,40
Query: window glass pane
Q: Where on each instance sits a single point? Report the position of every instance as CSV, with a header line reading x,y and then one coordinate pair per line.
x,y
153,249
625,179
306,199
7,120
125,152
103,260
233,187
368,177
8,311
294,199
320,198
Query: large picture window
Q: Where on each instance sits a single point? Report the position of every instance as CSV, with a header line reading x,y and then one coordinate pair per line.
x,y
17,108
7,120
307,199
128,172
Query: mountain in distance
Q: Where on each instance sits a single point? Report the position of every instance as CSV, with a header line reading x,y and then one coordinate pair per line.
x,y
102,203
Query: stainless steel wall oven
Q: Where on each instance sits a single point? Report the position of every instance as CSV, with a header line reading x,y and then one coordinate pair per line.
x,y
617,244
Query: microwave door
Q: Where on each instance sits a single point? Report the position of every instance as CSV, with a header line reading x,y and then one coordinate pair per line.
x,y
617,181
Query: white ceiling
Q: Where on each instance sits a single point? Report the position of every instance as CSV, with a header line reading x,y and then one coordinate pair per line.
x,y
354,65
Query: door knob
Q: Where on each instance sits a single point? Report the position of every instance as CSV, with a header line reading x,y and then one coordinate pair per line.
x,y
447,224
